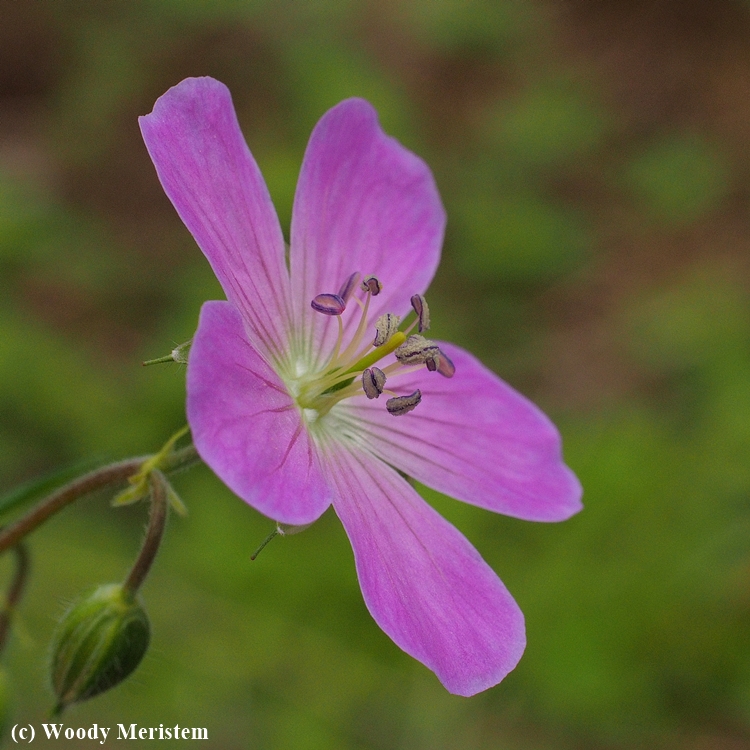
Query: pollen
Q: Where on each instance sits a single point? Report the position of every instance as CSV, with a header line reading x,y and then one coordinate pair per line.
x,y
385,327
350,371
418,350
328,304
403,404
373,381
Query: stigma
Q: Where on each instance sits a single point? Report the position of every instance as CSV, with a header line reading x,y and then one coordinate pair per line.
x,y
350,371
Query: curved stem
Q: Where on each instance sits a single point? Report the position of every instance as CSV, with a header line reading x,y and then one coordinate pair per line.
x,y
115,473
15,592
94,480
157,522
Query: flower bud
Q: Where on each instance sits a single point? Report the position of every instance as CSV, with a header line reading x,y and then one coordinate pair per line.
x,y
99,642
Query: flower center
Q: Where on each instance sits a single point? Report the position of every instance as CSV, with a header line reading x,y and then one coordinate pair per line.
x,y
350,370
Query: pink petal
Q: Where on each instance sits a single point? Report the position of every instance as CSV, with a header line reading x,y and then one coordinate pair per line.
x,y
422,581
364,203
210,176
245,424
476,439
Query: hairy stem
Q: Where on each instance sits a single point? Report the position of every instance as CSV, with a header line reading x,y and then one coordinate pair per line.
x,y
273,534
94,480
156,524
15,592
115,473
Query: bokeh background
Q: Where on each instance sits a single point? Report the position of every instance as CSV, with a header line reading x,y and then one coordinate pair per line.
x,y
594,160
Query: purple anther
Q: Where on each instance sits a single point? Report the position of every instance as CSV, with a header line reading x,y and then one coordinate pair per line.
x,y
403,404
328,304
419,303
445,367
417,350
385,326
373,380
434,362
348,286
372,285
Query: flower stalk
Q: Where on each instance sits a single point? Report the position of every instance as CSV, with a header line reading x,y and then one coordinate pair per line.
x,y
103,638
156,524
94,480
15,592
105,476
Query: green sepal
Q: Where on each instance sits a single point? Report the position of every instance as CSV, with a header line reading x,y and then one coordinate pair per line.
x,y
175,501
98,643
129,496
140,485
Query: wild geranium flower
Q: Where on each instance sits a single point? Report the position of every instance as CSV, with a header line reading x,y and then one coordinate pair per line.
x,y
308,386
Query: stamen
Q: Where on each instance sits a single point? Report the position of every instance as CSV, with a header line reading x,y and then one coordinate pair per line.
x,y
348,287
417,350
339,339
328,304
445,366
372,284
385,327
373,380
350,370
403,404
357,339
396,368
419,304
376,355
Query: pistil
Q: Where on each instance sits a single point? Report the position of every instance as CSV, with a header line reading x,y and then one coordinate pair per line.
x,y
351,371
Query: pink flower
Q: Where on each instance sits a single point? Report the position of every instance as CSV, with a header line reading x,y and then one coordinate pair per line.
x,y
283,379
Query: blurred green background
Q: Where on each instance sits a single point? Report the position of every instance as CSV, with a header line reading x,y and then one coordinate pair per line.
x,y
594,160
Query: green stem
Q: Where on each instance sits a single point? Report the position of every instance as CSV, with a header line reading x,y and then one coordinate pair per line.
x,y
94,480
273,534
156,524
15,592
158,360
115,473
